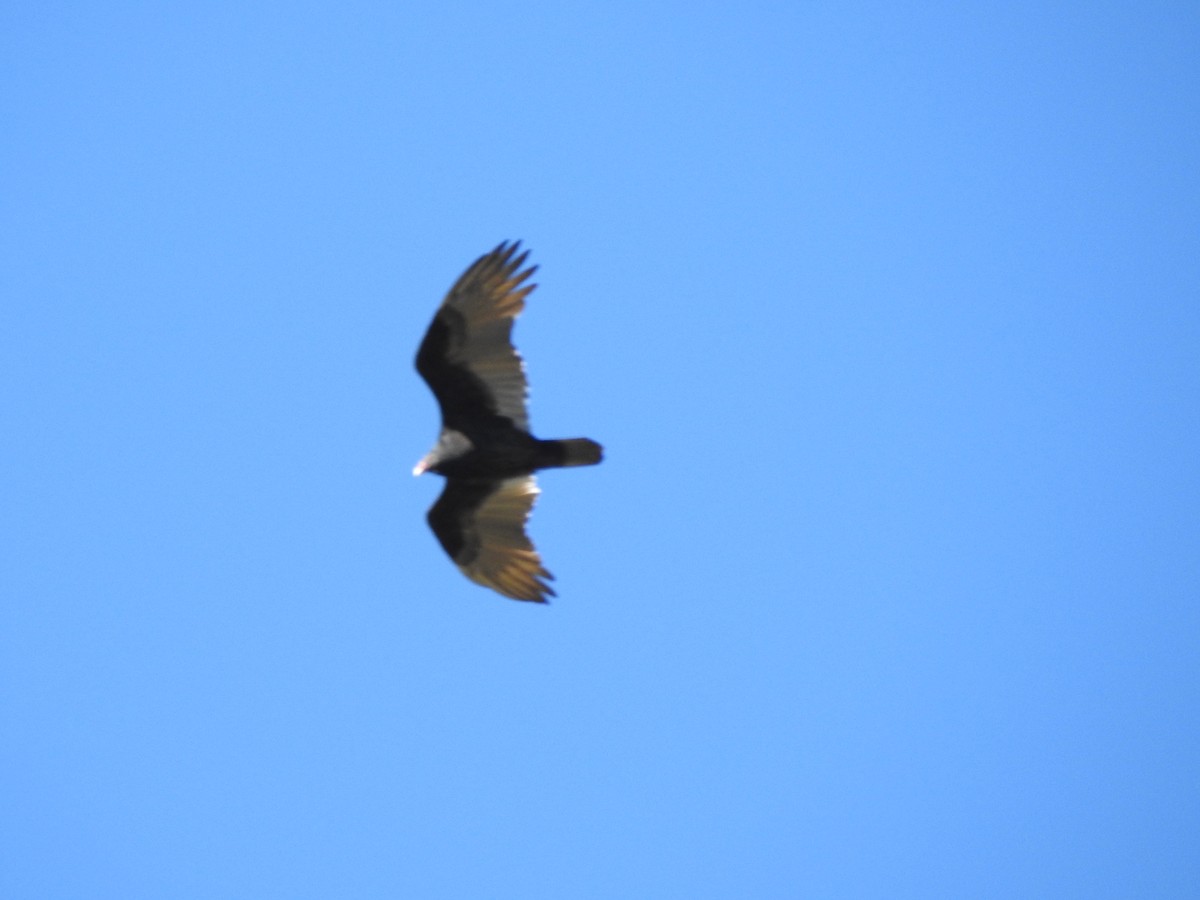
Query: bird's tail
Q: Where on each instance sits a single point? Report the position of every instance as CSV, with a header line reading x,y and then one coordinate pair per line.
x,y
576,452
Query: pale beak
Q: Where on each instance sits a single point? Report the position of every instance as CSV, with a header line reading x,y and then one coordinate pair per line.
x,y
420,467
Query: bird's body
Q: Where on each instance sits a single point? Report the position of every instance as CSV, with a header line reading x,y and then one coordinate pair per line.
x,y
499,452
485,450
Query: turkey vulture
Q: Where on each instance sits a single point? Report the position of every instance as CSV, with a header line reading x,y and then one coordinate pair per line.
x,y
485,450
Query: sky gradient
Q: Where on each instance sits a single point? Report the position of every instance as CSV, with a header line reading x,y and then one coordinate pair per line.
x,y
886,314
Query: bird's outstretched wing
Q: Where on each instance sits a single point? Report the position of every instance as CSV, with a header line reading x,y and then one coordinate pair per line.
x,y
467,356
481,525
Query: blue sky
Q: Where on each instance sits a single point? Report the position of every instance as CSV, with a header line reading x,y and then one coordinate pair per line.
x,y
885,313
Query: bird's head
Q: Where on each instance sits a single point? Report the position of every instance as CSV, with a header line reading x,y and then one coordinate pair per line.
x,y
450,445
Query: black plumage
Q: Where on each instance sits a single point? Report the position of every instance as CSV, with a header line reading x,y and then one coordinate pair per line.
x,y
485,450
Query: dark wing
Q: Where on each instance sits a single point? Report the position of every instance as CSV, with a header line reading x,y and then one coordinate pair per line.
x,y
481,524
467,356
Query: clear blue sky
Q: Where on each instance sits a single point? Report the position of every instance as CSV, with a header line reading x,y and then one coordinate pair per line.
x,y
888,316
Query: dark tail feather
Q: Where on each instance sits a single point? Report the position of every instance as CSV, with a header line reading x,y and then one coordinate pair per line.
x,y
574,452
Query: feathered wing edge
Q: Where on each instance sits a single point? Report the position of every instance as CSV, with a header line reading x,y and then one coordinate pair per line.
x,y
482,527
488,297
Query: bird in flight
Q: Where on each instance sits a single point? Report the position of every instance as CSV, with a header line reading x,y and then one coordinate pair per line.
x,y
485,450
